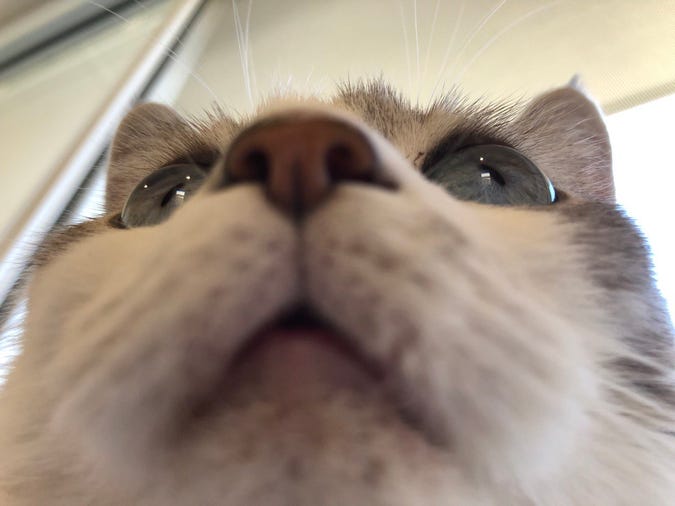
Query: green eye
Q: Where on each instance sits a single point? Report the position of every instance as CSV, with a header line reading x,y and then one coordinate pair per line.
x,y
493,174
160,193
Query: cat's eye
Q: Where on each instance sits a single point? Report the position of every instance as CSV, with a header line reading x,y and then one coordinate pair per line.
x,y
160,193
492,174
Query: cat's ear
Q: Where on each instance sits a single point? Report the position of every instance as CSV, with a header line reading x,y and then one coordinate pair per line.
x,y
147,137
565,134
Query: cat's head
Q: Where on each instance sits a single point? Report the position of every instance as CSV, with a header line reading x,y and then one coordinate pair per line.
x,y
348,302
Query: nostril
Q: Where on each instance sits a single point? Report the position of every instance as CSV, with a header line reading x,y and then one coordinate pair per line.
x,y
339,159
253,166
342,163
299,158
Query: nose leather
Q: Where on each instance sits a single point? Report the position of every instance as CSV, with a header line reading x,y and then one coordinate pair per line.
x,y
299,159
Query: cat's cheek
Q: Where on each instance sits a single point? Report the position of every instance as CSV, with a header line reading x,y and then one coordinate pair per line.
x,y
463,298
139,345
536,343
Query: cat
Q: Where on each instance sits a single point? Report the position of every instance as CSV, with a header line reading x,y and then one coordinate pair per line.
x,y
350,301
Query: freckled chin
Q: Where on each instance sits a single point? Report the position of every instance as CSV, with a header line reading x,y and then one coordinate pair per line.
x,y
291,367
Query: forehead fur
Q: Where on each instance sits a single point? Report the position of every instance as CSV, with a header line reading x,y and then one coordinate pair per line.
x,y
562,132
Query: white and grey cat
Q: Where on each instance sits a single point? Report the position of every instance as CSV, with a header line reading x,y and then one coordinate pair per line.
x,y
348,302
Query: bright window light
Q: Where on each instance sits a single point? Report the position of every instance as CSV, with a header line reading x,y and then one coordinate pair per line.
x,y
644,173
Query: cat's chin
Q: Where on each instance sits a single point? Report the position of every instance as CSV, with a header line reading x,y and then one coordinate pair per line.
x,y
287,443
298,364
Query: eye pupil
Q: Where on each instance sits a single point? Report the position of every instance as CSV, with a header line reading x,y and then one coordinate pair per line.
x,y
492,174
161,193
489,174
176,191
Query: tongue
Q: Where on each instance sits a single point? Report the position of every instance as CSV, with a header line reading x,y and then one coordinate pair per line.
x,y
298,365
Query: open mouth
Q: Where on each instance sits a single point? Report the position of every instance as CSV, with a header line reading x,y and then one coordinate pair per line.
x,y
299,357
299,360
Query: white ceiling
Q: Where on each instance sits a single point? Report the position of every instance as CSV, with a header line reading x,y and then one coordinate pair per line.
x,y
623,49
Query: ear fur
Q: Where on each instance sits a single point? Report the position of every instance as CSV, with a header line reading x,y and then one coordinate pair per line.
x,y
149,136
566,136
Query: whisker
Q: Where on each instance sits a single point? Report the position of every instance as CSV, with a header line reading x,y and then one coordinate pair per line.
x,y
243,43
170,53
431,38
141,5
407,43
247,39
417,47
451,44
243,57
109,11
500,33
474,31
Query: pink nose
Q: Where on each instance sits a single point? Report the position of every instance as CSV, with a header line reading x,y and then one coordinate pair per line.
x,y
300,158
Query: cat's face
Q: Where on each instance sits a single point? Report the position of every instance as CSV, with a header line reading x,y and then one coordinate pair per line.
x,y
322,325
